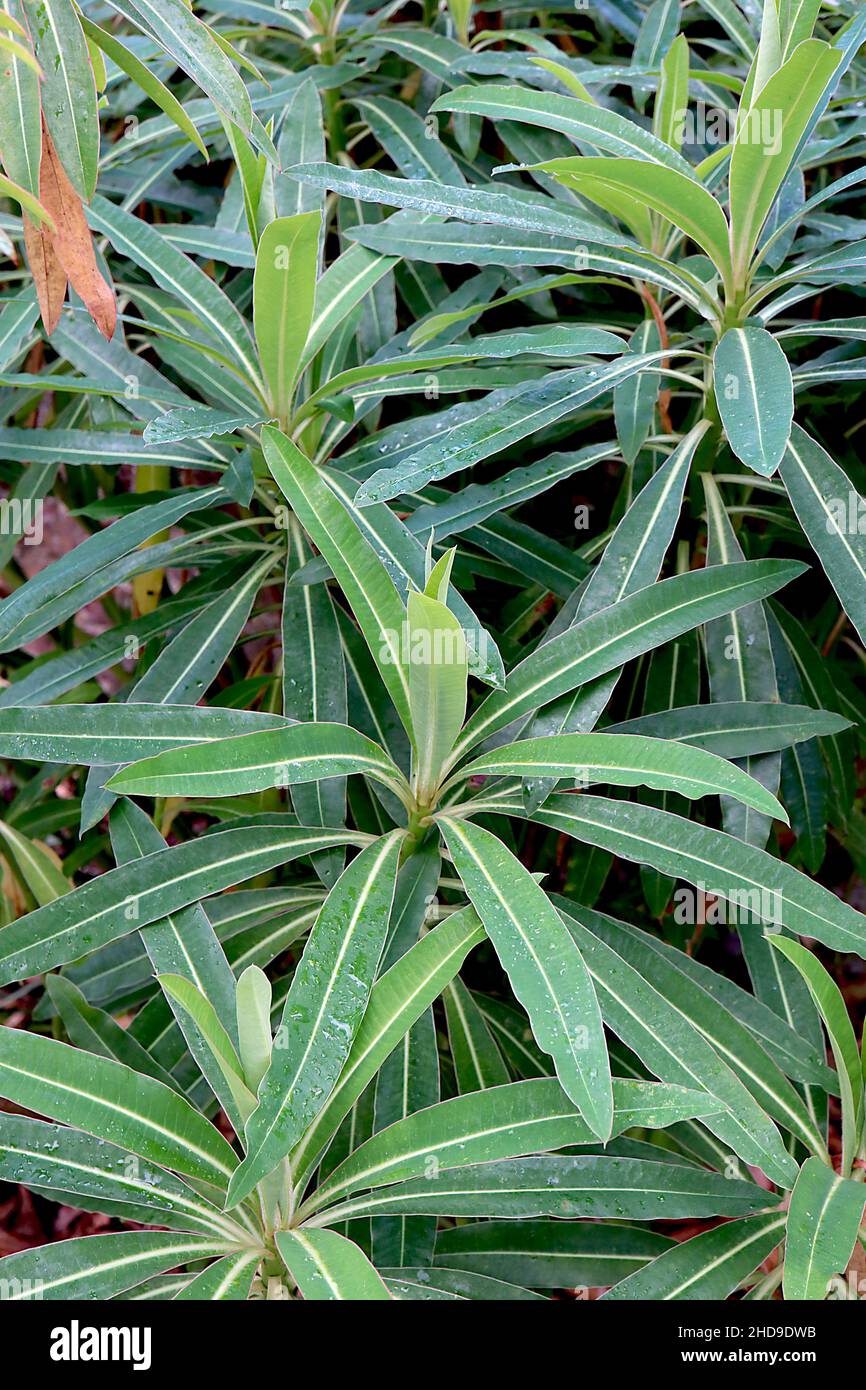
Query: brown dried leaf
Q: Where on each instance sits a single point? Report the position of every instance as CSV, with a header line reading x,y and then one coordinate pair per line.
x,y
73,243
48,274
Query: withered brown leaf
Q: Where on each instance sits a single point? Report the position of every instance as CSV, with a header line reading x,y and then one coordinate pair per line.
x,y
72,241
48,274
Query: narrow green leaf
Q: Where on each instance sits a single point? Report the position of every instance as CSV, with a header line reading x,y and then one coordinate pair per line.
x,y
823,1220
591,1186
111,1102
550,1254
276,757
68,91
503,1121
95,735
767,140
831,1006
226,1280
366,584
195,50
709,1266
546,970
144,78
397,1000
284,288
323,1009
102,1177
603,641
99,1266
148,889
826,502
755,396
581,122
625,760
325,1265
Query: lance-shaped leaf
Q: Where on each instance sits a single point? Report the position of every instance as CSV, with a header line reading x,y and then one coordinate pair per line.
x,y
100,1266
226,1280
195,49
20,115
472,506
180,277
182,992
363,578
752,880
677,196
689,994
450,243
670,1045
672,100
478,1062
404,558
831,1006
102,1177
284,288
544,965
606,639
84,572
549,1254
632,559
800,1057
314,689
148,889
530,408
516,208
755,396
397,1000
767,140
325,1004
829,507
520,1117
408,1081
93,1030
437,678
35,864
824,1217
734,728
403,135
325,1265
419,1282
740,664
68,90
200,422
579,120
634,402
109,1101
340,290
568,341
277,757
570,1187
184,668
709,1266
183,943
144,78
94,735
627,761
302,138
254,998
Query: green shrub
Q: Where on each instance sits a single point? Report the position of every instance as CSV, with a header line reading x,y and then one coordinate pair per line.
x,y
421,763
